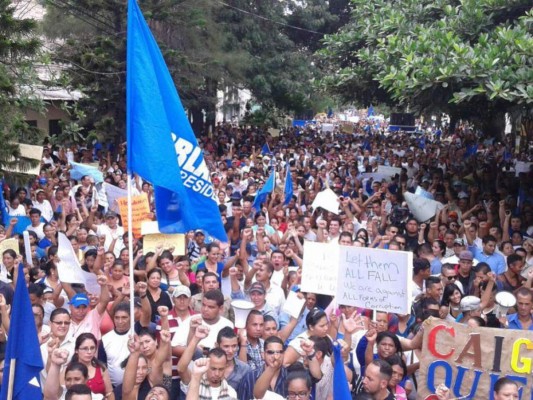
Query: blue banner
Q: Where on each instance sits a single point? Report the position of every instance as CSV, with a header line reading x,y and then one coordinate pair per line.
x,y
162,146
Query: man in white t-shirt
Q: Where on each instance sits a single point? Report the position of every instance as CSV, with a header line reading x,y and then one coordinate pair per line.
x,y
36,225
43,205
212,307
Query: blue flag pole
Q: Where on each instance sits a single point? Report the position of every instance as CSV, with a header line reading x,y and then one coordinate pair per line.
x,y
23,363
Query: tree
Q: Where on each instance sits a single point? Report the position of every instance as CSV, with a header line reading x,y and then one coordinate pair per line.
x,y
18,49
93,46
470,59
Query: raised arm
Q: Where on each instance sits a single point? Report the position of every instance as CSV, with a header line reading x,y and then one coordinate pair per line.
x,y
130,373
200,332
52,388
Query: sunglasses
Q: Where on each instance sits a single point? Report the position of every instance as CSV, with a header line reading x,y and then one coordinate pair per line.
x,y
451,277
272,352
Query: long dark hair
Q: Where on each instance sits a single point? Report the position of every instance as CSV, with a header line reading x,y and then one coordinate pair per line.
x,y
94,361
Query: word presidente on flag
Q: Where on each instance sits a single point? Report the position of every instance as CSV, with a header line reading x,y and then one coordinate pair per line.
x,y
194,177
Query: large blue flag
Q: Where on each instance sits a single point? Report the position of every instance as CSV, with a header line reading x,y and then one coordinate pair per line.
x,y
22,347
162,146
268,188
341,390
288,191
370,112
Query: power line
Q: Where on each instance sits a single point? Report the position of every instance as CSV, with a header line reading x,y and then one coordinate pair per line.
x,y
270,20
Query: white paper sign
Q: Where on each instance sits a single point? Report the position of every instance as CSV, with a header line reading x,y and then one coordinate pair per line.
x,y
293,305
389,171
328,200
320,266
522,166
422,208
375,279
113,193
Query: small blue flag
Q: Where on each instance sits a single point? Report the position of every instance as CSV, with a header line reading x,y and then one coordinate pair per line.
x,y
288,186
78,171
162,146
268,188
265,150
341,390
22,347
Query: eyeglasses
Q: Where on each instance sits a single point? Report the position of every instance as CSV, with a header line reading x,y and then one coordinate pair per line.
x,y
61,323
299,395
272,352
87,349
451,277
401,243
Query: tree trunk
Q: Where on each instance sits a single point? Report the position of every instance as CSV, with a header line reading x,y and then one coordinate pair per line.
x,y
493,125
210,111
197,122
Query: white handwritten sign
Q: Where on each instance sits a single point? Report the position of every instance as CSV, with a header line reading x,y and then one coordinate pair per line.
x,y
320,266
375,279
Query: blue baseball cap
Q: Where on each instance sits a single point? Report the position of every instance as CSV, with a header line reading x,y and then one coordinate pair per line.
x,y
79,299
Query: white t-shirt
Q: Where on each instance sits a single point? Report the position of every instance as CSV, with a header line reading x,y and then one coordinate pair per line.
x,y
104,230
182,333
46,209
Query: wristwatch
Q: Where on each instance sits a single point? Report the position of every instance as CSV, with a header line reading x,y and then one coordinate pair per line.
x,y
311,356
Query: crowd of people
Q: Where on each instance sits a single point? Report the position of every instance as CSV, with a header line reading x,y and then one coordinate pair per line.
x,y
185,344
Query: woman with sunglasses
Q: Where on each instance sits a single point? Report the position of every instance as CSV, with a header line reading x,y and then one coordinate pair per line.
x,y
85,352
58,339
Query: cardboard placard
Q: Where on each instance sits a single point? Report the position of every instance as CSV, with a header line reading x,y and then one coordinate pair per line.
x,y
469,361
9,244
375,279
320,266
177,241
140,208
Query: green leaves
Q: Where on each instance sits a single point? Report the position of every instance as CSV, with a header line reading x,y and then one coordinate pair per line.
x,y
466,51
